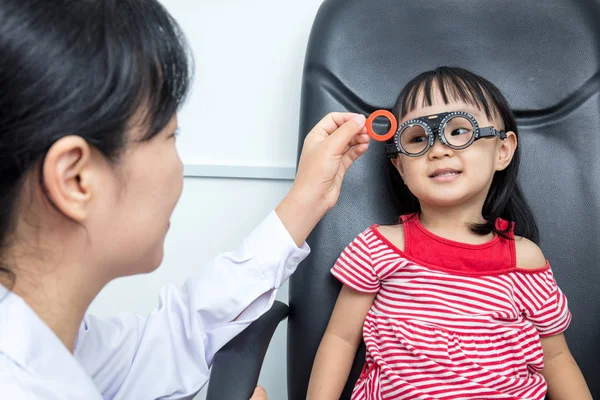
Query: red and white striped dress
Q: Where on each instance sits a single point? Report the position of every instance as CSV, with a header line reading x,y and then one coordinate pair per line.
x,y
451,320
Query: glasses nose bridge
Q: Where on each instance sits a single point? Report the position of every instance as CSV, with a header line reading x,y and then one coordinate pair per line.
x,y
439,147
435,126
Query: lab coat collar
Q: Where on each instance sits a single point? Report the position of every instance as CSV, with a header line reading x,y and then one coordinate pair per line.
x,y
29,343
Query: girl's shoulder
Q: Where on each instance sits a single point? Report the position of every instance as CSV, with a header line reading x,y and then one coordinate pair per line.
x,y
393,234
528,254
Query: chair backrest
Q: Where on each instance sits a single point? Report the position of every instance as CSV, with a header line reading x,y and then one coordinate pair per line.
x,y
543,55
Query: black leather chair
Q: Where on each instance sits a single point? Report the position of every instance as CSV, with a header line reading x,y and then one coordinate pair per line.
x,y
544,56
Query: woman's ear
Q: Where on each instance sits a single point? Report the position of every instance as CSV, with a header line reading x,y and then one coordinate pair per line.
x,y
68,175
506,151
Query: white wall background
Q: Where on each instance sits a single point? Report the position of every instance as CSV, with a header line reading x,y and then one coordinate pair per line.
x,y
249,57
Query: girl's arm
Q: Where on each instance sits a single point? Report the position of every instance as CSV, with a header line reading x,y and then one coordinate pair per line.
x,y
339,344
565,381
564,378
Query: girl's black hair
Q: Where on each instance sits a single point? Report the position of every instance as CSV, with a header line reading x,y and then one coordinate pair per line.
x,y
81,67
505,198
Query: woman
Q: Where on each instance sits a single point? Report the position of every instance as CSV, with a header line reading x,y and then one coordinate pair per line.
x,y
89,177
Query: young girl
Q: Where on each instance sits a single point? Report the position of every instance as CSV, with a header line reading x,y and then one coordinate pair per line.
x,y
456,301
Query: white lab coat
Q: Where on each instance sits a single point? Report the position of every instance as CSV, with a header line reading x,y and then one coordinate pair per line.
x,y
166,354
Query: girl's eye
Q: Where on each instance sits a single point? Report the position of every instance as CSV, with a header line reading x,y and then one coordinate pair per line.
x,y
459,131
175,133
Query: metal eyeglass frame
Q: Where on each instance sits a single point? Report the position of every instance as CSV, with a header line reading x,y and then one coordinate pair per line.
x,y
434,125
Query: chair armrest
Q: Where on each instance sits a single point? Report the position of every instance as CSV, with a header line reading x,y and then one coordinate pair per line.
x,y
236,367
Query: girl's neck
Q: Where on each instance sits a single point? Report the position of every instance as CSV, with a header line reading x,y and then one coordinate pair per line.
x,y
453,223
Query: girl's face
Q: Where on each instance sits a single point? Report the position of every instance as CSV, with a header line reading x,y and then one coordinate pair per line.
x,y
444,177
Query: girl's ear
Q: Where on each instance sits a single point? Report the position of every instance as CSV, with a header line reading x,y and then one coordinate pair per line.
x,y
398,165
506,151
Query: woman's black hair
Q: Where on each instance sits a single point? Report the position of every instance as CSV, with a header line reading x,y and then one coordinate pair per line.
x,y
86,68
505,199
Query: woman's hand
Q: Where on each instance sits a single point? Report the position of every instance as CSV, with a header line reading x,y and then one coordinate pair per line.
x,y
329,150
259,394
